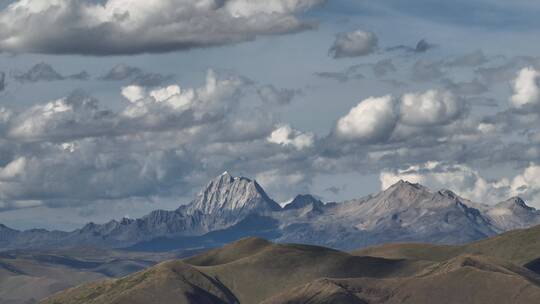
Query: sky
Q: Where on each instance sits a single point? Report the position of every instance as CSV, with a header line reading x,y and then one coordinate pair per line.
x,y
115,108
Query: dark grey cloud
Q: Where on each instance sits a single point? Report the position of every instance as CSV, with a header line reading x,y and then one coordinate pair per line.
x,y
115,27
121,72
151,79
271,95
45,72
2,81
351,73
334,190
338,76
421,46
135,75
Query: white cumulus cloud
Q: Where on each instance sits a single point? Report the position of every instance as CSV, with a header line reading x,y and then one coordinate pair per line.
x,y
354,44
286,136
133,93
430,108
373,119
526,89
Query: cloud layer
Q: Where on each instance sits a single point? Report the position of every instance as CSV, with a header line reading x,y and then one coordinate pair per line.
x,y
468,182
164,141
133,27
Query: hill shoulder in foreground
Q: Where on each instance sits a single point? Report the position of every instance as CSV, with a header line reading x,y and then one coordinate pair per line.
x,y
257,271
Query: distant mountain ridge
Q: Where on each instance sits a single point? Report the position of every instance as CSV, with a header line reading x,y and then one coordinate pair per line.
x,y
230,207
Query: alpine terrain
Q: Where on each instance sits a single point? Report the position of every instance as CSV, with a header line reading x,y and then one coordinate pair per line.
x,y
230,208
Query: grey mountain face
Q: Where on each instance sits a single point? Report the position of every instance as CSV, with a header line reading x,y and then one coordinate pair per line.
x,y
403,213
233,207
232,196
512,214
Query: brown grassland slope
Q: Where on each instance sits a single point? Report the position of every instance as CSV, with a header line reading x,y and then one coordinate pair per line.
x,y
257,271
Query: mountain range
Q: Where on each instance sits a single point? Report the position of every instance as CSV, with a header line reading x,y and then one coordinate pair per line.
x,y
230,208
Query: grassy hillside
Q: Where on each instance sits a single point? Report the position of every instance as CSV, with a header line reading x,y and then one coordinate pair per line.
x,y
28,276
256,277
518,246
257,271
465,280
250,269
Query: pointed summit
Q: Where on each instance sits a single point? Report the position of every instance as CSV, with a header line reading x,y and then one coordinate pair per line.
x,y
405,189
512,214
228,194
404,195
403,184
515,202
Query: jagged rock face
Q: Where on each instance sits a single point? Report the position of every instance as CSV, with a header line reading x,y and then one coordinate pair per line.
x,y
224,202
227,194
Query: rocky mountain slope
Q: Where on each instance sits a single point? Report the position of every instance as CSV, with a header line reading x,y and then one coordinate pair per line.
x,y
229,208
257,271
